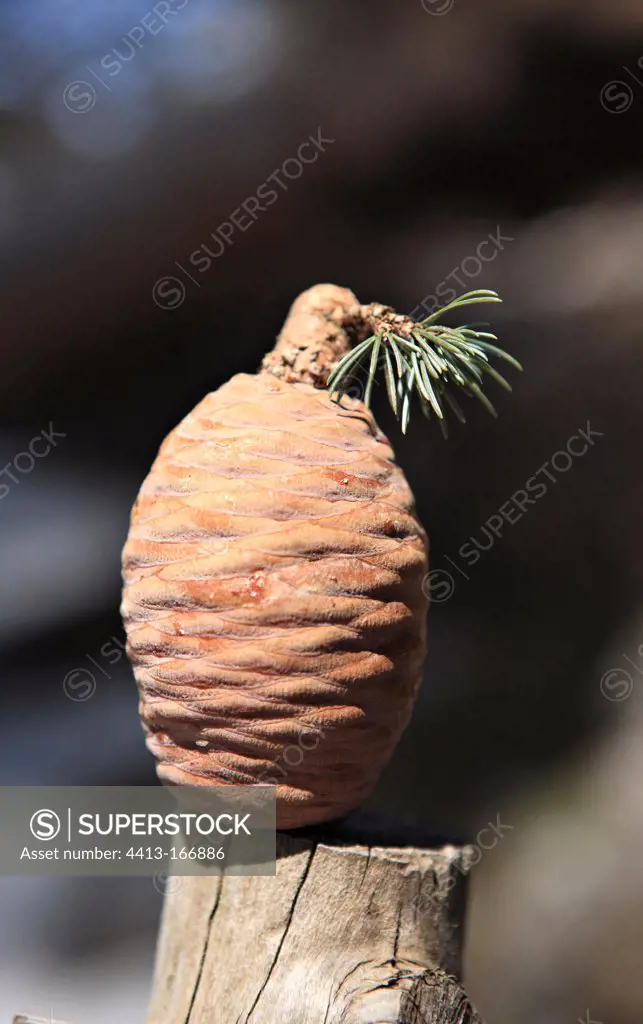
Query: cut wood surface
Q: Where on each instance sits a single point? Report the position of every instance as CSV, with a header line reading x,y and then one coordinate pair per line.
x,y
349,932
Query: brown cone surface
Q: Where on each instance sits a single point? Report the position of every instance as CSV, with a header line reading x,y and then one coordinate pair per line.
x,y
273,597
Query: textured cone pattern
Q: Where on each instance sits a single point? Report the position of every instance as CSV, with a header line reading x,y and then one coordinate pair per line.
x,y
273,597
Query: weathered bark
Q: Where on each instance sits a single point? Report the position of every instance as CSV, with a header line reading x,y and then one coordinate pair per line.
x,y
346,932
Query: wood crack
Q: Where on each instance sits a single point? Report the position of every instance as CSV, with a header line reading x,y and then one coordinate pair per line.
x,y
204,953
291,915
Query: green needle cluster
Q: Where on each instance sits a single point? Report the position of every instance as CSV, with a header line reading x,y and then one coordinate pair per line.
x,y
434,361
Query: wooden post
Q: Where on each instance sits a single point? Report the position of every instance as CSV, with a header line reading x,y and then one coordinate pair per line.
x,y
348,931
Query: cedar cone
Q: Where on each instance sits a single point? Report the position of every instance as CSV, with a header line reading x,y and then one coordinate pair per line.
x,y
273,575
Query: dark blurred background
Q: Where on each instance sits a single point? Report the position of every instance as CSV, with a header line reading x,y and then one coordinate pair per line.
x,y
129,134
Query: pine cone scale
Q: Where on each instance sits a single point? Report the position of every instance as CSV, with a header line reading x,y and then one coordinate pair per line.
x,y
273,593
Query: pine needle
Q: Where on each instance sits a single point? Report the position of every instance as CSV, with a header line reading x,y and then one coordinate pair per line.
x,y
430,359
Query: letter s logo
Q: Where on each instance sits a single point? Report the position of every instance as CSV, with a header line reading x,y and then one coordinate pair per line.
x,y
45,824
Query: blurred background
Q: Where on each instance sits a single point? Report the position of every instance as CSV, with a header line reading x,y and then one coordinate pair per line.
x,y
129,135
